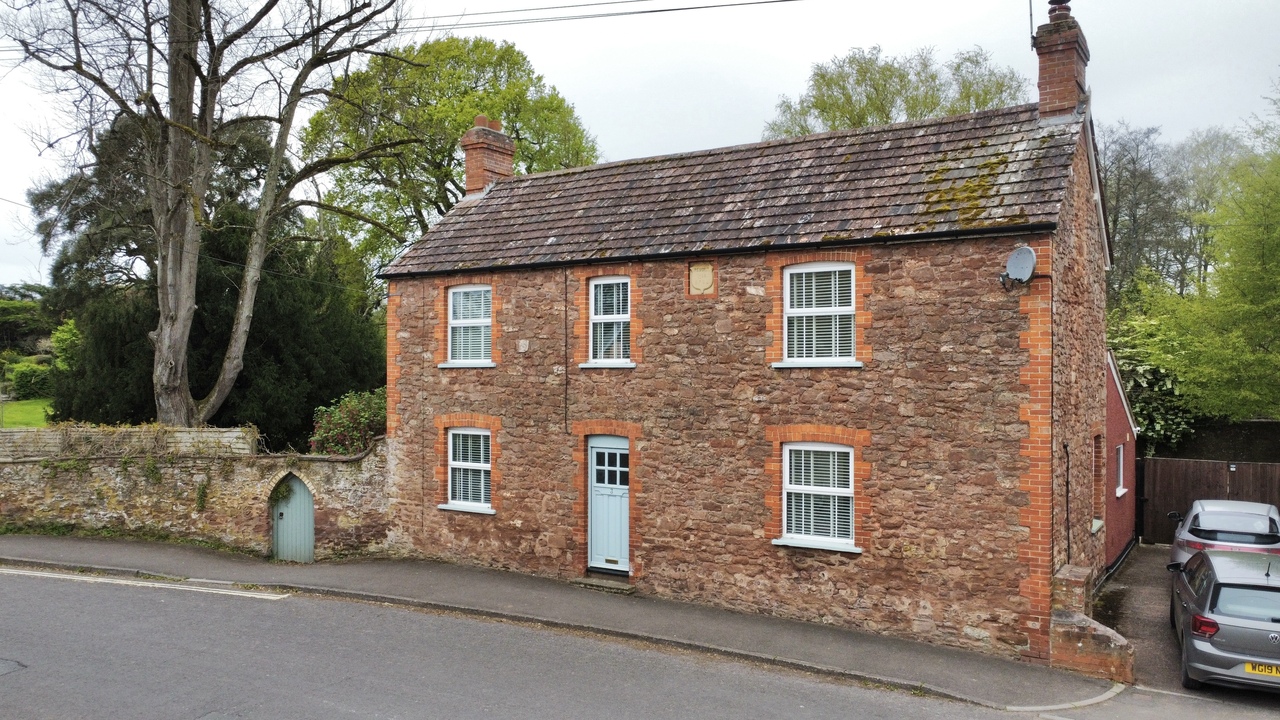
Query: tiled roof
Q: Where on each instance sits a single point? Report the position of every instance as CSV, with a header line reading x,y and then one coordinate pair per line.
x,y
991,169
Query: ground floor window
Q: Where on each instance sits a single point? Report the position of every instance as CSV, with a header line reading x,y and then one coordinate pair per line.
x,y
469,467
817,495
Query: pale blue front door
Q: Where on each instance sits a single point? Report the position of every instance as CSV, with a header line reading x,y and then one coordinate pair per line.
x,y
293,535
609,503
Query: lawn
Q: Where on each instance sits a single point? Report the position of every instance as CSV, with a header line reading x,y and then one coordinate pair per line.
x,y
25,413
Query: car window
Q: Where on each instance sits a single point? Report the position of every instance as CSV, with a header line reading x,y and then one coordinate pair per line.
x,y
1198,577
1235,527
1249,603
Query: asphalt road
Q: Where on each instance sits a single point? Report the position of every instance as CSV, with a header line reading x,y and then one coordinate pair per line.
x,y
77,649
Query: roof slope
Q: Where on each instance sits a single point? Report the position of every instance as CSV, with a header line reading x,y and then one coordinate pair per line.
x,y
989,169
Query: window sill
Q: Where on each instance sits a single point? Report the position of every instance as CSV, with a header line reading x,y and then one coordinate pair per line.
x,y
818,544
1096,526
1121,492
815,364
477,509
607,366
480,364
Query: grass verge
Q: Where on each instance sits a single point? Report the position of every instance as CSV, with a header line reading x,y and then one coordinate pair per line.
x,y
25,413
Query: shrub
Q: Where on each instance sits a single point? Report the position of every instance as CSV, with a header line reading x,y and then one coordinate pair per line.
x,y
30,381
349,426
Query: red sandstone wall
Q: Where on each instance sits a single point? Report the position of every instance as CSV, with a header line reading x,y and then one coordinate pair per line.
x,y
939,417
1079,375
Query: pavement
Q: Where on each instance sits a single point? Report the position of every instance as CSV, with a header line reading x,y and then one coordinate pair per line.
x,y
919,667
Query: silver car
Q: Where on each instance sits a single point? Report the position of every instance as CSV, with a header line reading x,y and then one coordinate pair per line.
x,y
1225,609
1225,525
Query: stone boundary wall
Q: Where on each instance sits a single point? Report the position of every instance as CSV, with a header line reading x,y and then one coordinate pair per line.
x,y
202,494
1078,642
70,440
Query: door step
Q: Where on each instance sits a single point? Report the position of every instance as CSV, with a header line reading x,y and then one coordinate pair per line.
x,y
604,585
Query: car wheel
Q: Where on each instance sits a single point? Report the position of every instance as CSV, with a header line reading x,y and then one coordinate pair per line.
x,y
1188,682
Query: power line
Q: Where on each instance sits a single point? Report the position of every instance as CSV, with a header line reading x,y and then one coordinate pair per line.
x,y
414,24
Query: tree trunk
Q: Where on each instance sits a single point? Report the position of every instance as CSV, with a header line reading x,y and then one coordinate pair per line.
x,y
177,231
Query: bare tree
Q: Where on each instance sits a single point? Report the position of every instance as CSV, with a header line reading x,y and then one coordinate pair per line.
x,y
192,74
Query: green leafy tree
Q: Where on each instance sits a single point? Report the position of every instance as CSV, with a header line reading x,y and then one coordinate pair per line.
x,y
191,76
22,319
866,88
313,338
1138,338
1224,342
349,425
430,94
1161,200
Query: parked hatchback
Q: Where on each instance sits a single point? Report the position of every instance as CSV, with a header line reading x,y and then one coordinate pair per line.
x,y
1225,525
1225,608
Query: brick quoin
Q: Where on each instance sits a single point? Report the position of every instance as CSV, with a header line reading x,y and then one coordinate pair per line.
x,y
1037,481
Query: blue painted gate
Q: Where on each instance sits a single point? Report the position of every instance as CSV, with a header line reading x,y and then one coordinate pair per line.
x,y
293,534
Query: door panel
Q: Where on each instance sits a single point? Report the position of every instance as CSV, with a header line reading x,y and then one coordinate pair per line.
x,y
609,504
293,524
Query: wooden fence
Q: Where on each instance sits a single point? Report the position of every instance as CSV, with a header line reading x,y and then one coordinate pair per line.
x,y
1170,484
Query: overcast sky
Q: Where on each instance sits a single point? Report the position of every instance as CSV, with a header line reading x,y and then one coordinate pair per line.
x,y
674,82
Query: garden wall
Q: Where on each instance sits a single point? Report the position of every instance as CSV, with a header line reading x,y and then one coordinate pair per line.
x,y
202,484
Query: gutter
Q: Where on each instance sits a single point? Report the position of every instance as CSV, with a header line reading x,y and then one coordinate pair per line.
x,y
830,240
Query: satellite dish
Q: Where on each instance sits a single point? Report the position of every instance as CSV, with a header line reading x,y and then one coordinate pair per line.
x,y
1021,265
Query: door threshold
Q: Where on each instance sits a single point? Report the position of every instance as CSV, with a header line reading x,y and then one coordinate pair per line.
x,y
605,584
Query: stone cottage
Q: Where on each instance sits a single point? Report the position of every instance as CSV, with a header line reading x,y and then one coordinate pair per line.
x,y
792,377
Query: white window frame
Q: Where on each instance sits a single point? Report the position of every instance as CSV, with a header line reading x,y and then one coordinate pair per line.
x,y
593,318
1120,488
788,313
451,464
817,541
486,323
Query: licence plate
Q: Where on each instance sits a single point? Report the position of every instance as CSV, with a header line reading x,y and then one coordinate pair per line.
x,y
1260,669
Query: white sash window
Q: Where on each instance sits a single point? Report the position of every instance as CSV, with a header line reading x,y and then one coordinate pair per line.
x,y
469,470
817,496
611,321
819,315
470,325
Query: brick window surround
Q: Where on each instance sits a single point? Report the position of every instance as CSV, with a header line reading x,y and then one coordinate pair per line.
x,y
440,323
582,305
782,435
583,429
445,423
775,288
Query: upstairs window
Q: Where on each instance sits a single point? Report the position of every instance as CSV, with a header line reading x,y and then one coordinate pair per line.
x,y
819,315
611,321
470,325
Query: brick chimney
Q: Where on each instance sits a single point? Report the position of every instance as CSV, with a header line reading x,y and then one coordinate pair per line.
x,y
490,155
1063,57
